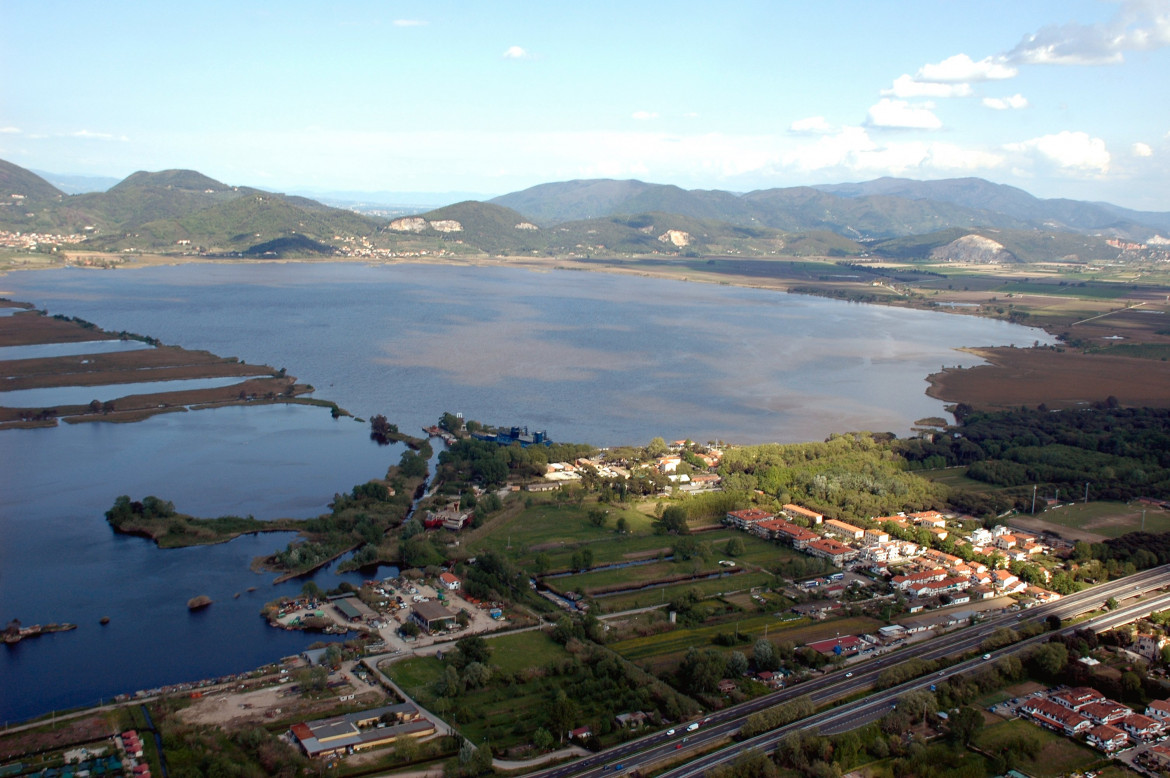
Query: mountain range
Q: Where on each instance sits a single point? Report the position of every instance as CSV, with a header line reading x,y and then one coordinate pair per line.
x,y
185,211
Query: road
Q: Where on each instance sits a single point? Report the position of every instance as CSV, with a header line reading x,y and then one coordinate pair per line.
x,y
720,726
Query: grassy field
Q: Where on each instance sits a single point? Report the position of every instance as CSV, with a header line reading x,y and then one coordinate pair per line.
x,y
1058,755
1096,520
956,478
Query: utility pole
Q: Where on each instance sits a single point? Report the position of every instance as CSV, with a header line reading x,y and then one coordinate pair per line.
x,y
1033,498
1086,491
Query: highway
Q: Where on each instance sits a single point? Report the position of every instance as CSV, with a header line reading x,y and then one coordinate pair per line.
x,y
722,725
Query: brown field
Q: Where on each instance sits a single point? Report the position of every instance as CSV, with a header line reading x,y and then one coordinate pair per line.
x,y
1058,379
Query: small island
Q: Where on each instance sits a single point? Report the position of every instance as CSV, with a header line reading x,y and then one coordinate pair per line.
x,y
14,632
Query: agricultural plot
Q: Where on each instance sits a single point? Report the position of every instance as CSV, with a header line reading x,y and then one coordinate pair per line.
x,y
667,648
709,587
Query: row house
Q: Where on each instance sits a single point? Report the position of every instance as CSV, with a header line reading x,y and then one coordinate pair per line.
x,y
796,511
1048,714
905,582
1107,738
1106,711
826,548
941,557
797,535
844,530
1077,697
1159,709
892,552
1141,727
746,518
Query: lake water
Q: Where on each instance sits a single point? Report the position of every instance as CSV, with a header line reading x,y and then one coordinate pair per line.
x,y
81,395
47,350
594,358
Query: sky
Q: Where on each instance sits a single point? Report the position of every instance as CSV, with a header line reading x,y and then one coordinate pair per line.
x,y
1062,98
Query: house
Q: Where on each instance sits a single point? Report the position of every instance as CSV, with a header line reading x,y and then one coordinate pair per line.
x,y
1159,709
939,533
580,733
543,486
874,537
928,519
450,582
794,511
727,686
1141,727
1107,738
840,528
633,720
1149,646
845,645
1005,542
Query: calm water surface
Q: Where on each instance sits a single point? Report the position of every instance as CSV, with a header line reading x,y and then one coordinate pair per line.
x,y
590,357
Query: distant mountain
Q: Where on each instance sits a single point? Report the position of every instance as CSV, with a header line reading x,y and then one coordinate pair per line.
x,y
1059,213
970,219
880,209
71,183
25,184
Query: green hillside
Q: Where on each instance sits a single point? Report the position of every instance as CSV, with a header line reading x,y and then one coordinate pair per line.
x,y
27,185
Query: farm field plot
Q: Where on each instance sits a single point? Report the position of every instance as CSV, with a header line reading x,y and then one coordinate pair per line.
x,y
956,478
658,595
666,648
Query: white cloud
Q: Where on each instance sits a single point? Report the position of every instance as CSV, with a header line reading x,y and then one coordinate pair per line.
x,y
1142,150
516,52
1138,25
90,135
906,86
1075,152
899,113
10,130
409,23
962,69
643,116
1015,102
812,125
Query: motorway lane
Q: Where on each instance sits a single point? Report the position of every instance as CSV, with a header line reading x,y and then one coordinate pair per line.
x,y
878,704
651,748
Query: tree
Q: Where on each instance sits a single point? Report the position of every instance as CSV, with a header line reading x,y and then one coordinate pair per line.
x,y
597,516
542,739
623,525
965,725
764,655
472,648
734,547
737,663
673,521
1050,658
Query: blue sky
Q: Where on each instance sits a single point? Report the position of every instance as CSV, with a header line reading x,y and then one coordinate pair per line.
x,y
1063,99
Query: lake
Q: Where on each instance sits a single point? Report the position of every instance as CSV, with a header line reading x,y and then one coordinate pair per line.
x,y
589,357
